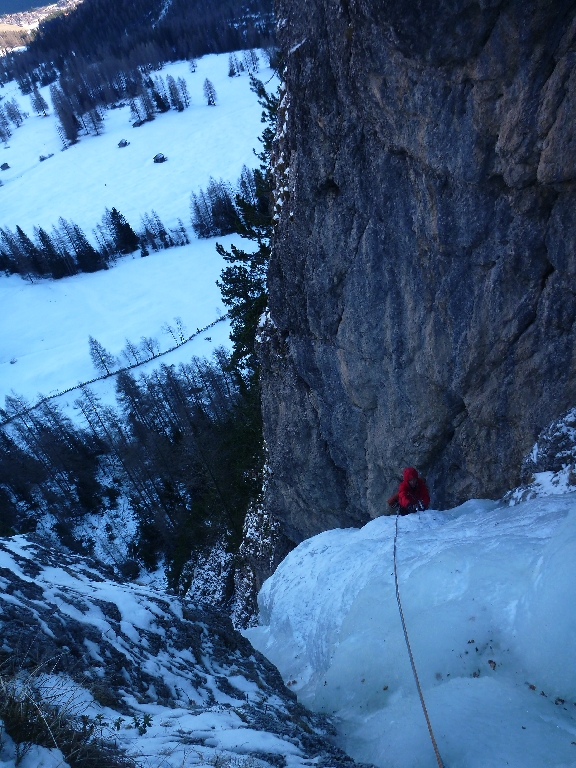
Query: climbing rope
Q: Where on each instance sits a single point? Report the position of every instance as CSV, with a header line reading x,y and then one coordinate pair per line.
x,y
436,752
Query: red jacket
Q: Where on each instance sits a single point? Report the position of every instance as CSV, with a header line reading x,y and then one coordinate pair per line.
x,y
408,497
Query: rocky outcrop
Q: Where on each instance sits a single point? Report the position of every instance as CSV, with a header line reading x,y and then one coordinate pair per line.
x,y
422,286
141,653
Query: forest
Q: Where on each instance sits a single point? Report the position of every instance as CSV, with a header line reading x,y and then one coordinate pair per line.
x,y
98,49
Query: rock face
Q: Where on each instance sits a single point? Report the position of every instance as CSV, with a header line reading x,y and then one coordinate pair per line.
x,y
423,282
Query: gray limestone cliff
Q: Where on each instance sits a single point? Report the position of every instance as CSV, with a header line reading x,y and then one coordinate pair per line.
x,y
423,280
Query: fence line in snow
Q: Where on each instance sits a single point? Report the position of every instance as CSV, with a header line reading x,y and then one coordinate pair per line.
x,y
112,373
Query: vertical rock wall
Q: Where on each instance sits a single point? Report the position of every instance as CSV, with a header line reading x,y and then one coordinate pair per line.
x,y
423,282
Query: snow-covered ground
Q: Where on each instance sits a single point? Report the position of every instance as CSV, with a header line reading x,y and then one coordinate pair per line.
x,y
170,683
44,327
488,592
80,182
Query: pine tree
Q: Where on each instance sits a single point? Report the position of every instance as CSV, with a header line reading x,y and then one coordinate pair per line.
x,y
88,258
5,131
57,265
39,103
123,237
213,212
162,104
94,122
251,61
161,232
13,247
209,93
33,254
224,216
137,113
68,122
183,88
147,104
243,283
62,243
13,112
201,214
8,258
174,93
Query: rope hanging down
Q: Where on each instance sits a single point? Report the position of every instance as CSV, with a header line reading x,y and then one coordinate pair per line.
x,y
436,752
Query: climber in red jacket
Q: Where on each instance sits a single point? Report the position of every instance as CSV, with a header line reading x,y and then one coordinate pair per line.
x,y
412,493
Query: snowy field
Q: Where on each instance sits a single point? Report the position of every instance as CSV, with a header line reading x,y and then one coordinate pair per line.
x,y
44,327
80,182
488,593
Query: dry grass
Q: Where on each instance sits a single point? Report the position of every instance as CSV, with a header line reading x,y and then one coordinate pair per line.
x,y
37,707
12,37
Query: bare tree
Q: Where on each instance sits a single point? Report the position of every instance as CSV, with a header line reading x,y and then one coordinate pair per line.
x,y
103,361
150,346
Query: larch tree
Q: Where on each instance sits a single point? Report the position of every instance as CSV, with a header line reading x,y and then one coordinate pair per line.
x,y
103,361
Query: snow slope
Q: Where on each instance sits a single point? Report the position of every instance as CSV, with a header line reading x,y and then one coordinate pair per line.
x,y
44,327
488,593
125,651
80,182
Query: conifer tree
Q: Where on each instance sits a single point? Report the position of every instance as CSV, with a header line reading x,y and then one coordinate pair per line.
x,y
57,264
32,253
183,89
14,113
88,258
123,237
39,103
201,214
209,93
213,212
94,121
161,103
17,254
5,131
68,122
243,283
174,93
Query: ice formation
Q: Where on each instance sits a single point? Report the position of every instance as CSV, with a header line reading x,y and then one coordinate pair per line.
x,y
488,593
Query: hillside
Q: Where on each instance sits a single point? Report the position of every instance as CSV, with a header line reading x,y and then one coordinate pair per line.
x,y
157,681
159,461
120,34
136,297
